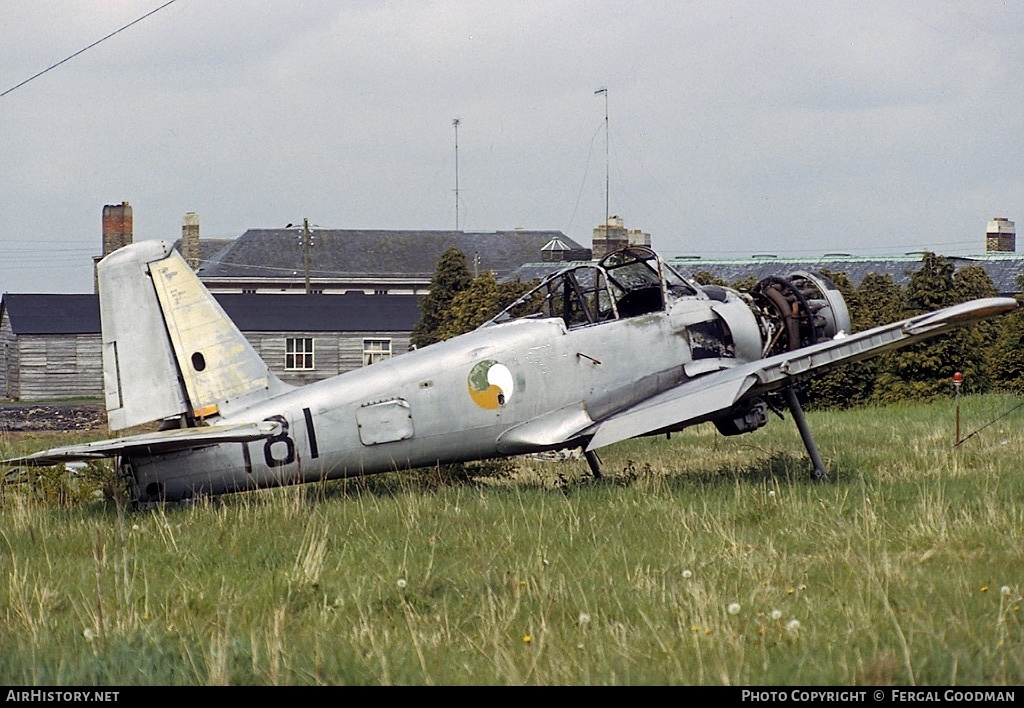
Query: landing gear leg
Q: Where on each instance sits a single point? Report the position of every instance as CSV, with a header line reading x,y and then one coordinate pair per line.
x,y
818,472
595,463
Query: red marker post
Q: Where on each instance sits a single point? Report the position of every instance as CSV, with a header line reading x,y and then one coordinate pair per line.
x,y
958,379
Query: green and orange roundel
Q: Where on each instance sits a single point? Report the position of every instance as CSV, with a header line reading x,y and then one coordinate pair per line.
x,y
490,384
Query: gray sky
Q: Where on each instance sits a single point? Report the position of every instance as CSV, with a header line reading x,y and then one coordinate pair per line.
x,y
736,128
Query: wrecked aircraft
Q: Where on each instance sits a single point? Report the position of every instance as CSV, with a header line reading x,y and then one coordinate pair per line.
x,y
595,354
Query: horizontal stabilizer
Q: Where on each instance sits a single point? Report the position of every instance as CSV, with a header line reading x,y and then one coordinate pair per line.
x,y
163,441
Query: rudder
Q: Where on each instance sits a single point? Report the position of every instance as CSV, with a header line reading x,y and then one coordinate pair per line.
x,y
169,349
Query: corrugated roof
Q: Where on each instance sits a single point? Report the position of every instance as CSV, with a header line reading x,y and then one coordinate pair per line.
x,y
271,312
337,253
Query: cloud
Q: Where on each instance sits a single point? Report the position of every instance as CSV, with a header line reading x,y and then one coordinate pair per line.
x,y
735,127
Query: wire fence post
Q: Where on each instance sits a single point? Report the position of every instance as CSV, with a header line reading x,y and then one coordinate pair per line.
x,y
958,379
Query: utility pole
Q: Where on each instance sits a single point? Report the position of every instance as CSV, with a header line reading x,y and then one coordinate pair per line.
x,y
455,124
305,249
306,240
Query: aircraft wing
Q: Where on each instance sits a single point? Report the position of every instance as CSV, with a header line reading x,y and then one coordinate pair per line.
x,y
709,393
150,443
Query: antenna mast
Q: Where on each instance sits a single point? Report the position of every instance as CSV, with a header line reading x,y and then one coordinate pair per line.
x,y
606,210
455,124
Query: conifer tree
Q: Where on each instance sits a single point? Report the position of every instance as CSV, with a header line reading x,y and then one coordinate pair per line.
x,y
1007,355
846,385
451,277
879,301
974,344
925,371
705,277
482,300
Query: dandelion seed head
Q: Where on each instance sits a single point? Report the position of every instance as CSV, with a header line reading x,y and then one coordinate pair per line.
x,y
88,633
584,618
776,614
401,583
1005,590
793,626
687,574
734,608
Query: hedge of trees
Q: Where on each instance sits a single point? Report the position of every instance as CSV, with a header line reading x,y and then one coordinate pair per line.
x,y
989,355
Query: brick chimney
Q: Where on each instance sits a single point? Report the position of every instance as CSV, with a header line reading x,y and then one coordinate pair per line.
x,y
117,227
190,240
117,233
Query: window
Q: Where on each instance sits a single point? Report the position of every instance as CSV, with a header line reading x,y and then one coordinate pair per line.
x,y
298,353
375,350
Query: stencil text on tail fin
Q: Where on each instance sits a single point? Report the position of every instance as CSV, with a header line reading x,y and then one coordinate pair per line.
x,y
218,366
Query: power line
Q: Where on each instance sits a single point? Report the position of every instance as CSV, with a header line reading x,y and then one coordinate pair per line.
x,y
80,51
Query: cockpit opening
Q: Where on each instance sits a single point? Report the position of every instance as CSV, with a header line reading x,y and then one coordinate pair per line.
x,y
626,283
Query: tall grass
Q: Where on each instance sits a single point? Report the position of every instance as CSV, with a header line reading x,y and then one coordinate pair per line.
x,y
697,560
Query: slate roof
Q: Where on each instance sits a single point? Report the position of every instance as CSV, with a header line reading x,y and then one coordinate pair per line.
x,y
52,314
345,253
351,312
209,248
271,312
1002,268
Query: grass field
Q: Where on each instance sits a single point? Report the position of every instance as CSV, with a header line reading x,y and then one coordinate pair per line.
x,y
698,559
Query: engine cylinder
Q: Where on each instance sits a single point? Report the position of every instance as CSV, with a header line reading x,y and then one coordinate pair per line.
x,y
798,310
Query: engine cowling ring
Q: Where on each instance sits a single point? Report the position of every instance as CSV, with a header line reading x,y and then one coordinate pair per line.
x,y
798,310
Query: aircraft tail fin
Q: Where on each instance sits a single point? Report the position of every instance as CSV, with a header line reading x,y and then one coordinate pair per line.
x,y
169,349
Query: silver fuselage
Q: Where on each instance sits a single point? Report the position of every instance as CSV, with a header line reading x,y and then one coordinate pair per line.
x,y
418,410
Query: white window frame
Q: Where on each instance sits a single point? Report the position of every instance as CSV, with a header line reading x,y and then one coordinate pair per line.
x,y
299,354
373,354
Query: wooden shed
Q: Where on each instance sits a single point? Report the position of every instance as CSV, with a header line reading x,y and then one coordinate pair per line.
x,y
51,342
